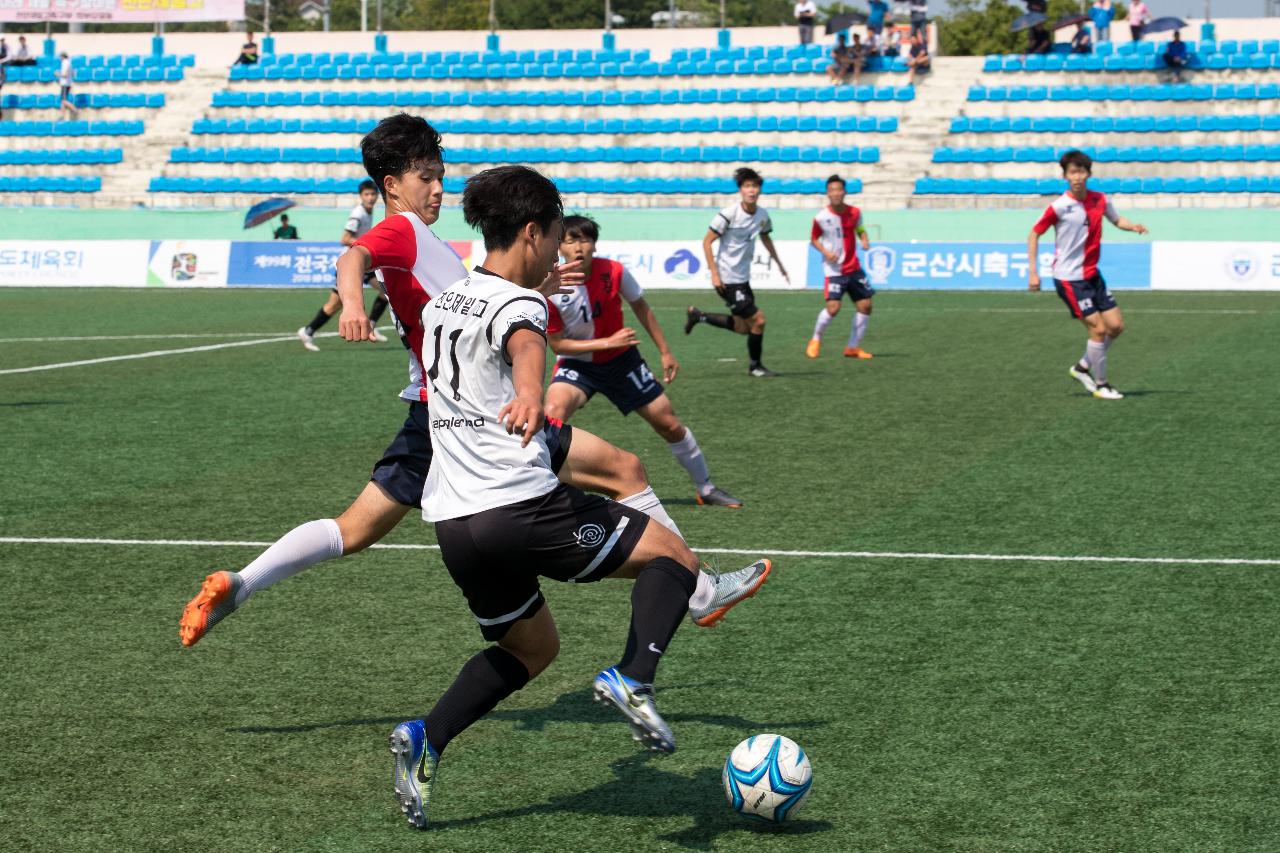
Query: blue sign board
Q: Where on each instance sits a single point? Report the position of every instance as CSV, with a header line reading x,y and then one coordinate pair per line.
x,y
283,263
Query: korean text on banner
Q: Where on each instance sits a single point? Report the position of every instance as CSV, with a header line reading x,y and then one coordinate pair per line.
x,y
1215,266
121,11
285,263
71,263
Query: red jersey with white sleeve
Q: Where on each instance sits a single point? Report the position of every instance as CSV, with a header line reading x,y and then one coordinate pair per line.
x,y
414,266
838,233
594,308
1078,233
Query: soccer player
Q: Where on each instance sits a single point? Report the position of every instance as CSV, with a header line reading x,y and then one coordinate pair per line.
x,y
834,230
598,354
737,227
1076,218
359,222
502,518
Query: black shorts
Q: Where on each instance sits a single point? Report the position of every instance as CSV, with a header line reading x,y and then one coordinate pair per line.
x,y
401,473
66,94
1085,297
626,380
496,556
854,284
740,299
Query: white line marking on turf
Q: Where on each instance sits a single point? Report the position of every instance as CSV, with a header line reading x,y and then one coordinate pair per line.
x,y
869,555
1127,310
152,354
164,337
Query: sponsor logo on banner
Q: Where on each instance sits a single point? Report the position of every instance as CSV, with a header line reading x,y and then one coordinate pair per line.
x,y
188,263
1215,266
672,263
880,262
1241,265
73,263
289,263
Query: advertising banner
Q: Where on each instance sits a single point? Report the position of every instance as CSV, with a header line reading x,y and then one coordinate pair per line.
x,y
188,263
298,263
71,263
1215,266
121,11
681,264
980,266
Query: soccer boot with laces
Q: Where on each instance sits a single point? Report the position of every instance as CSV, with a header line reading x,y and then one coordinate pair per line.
x,y
635,701
1083,376
760,371
414,774
814,348
1104,391
308,340
731,587
215,601
718,497
691,318
856,352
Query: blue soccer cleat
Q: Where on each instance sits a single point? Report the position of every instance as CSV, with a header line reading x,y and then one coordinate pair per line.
x,y
635,701
415,771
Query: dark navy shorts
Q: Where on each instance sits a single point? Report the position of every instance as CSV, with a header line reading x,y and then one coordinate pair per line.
x,y
626,380
741,300
1085,297
401,473
854,284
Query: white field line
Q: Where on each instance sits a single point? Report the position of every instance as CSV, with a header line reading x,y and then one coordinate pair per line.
x,y
867,555
1126,310
175,336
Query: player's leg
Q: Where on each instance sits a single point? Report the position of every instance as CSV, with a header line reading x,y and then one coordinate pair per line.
x,y
1082,309
733,296
1112,322
753,324
660,415
307,333
858,328
376,310
592,464
564,397
832,294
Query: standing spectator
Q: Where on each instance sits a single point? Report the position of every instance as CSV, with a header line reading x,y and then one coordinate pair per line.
x,y
919,10
1101,14
919,60
1081,42
806,11
286,231
66,76
23,56
1175,56
875,20
248,53
1139,15
4,51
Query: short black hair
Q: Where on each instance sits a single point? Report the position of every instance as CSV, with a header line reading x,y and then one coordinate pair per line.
x,y
367,185
284,217
581,225
747,175
500,201
836,179
1076,158
398,144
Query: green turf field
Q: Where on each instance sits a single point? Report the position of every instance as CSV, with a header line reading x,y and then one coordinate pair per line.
x,y
967,704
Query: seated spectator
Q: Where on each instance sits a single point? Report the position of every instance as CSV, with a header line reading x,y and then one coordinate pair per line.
x,y
1081,42
857,57
286,231
918,62
1175,56
1139,17
1039,40
872,43
1101,14
893,45
840,60
248,53
875,20
22,56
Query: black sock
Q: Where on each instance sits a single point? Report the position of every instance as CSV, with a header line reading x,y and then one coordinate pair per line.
x,y
755,346
659,600
379,305
485,680
319,320
724,321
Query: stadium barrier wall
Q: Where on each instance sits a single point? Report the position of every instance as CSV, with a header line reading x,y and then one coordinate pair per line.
x,y
656,264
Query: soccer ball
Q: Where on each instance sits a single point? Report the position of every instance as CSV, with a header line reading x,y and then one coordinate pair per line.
x,y
767,777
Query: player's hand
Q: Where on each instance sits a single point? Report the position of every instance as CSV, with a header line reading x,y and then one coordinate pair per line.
x,y
524,416
1033,281
831,258
670,367
355,325
717,283
1140,229
623,338
561,278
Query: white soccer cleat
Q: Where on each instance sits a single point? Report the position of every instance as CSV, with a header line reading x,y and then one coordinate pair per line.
x,y
376,336
731,588
1084,377
308,341
1105,392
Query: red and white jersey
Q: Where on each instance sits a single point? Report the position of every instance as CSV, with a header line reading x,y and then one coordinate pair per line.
x,y
594,309
838,232
414,266
1078,231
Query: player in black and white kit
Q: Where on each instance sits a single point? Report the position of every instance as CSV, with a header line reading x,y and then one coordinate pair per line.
x,y
502,517
359,222
737,227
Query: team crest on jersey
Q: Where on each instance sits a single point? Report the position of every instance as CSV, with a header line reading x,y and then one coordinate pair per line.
x,y
589,535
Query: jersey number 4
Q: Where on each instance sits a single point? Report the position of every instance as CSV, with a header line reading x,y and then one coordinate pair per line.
x,y
453,359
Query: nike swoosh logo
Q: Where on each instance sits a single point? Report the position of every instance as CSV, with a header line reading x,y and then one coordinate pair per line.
x,y
655,649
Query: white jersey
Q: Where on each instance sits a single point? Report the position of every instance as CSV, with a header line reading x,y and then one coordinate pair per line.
x,y
738,231
359,221
476,465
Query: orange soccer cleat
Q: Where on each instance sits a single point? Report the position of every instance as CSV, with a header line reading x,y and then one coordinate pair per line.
x,y
814,347
856,352
215,601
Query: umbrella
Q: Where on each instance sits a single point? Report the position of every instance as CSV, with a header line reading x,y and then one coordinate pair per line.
x,y
1163,25
844,20
265,210
1071,21
1027,21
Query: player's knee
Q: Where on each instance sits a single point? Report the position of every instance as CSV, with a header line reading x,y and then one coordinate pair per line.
x,y
833,308
670,428
865,310
536,655
757,322
1115,330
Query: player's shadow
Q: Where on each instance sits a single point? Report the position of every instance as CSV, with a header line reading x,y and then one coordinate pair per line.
x,y
27,404
640,790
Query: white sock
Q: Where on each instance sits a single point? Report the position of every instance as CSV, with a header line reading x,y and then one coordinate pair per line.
x,y
824,320
300,548
1096,352
858,330
1107,342
703,593
689,455
648,503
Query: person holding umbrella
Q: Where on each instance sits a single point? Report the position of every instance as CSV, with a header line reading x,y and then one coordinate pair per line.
x,y
1081,42
286,231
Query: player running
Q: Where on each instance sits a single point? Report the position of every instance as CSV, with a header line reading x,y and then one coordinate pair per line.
x,y
598,354
833,235
737,227
502,518
1076,218
359,223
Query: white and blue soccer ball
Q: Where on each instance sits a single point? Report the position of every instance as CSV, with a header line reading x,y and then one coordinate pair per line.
x,y
767,776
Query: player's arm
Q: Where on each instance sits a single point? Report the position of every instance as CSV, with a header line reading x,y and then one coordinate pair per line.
x,y
1121,222
561,345
815,240
707,242
527,352
863,237
348,237
640,307
353,265
773,253
1033,262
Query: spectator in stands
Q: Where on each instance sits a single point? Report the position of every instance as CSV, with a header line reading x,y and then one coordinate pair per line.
x,y
248,53
872,43
919,10
857,58
1039,40
1139,16
875,20
286,231
893,45
1101,13
1081,42
23,56
66,76
2,79
1175,56
918,62
4,52
806,12
840,60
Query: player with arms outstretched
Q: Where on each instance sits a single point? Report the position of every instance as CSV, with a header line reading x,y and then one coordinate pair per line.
x,y
836,230
1076,218
597,353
